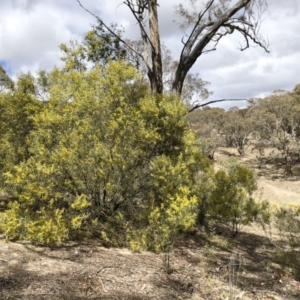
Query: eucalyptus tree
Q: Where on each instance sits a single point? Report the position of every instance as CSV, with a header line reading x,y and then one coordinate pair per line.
x,y
279,117
237,127
204,23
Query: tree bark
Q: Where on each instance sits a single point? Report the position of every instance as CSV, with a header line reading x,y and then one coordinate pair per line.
x,y
194,46
156,74
206,30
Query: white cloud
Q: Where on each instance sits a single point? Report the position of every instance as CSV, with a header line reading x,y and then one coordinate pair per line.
x,y
31,30
24,4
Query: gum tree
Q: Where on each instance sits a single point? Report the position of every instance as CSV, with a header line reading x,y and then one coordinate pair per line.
x,y
204,23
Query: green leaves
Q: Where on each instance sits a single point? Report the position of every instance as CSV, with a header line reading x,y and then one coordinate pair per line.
x,y
104,149
98,49
17,109
5,81
230,201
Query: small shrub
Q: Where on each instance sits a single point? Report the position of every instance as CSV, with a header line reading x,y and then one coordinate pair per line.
x,y
210,252
288,262
231,202
287,222
224,244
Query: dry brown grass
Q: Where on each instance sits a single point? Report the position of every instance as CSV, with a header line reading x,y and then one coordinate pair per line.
x,y
203,267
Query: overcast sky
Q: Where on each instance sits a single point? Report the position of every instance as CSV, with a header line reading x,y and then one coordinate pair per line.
x,y
31,31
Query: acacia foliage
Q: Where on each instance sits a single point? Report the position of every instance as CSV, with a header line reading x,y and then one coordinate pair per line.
x,y
5,81
104,151
17,106
231,201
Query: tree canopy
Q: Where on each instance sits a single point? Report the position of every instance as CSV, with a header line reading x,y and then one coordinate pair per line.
x,y
204,23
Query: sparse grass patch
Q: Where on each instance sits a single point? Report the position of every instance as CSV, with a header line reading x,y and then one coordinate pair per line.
x,y
224,243
287,222
288,262
210,252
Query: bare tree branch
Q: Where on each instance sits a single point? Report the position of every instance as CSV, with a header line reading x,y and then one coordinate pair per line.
x,y
112,32
247,35
196,32
139,17
214,101
211,31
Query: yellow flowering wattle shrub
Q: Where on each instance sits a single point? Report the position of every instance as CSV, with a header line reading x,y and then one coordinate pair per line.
x,y
105,154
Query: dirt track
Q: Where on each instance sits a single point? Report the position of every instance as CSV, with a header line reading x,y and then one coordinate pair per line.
x,y
282,192
279,190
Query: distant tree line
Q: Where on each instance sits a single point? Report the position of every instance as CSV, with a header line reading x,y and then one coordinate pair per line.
x,y
272,121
